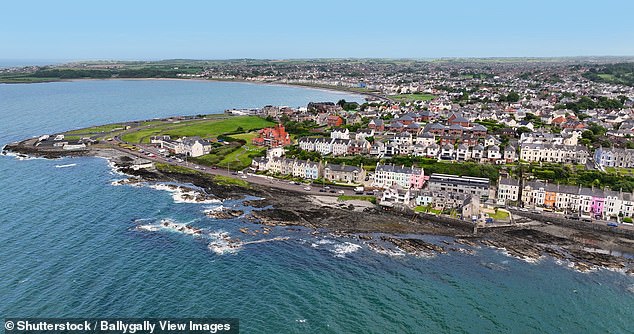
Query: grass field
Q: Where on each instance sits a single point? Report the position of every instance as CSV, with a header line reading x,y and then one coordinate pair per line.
x,y
211,128
371,199
241,158
217,155
608,77
412,97
229,181
500,215
97,129
426,209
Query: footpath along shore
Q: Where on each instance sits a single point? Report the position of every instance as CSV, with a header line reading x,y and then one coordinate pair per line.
x,y
289,205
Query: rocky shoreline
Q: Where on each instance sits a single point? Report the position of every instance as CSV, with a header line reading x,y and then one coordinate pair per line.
x,y
280,207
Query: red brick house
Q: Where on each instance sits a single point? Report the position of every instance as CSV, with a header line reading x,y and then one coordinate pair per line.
x,y
272,137
456,119
377,125
334,120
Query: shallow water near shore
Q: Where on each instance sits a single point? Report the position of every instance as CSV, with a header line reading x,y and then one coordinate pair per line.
x,y
70,243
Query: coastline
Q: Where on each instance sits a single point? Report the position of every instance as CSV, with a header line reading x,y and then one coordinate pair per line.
x,y
376,227
315,87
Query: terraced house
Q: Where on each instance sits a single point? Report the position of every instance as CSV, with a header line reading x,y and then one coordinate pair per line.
x,y
344,173
554,153
406,177
304,169
614,157
598,203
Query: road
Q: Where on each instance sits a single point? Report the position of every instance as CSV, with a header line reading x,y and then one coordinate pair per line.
x,y
248,177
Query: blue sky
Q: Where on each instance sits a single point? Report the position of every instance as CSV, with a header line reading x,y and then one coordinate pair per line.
x,y
114,29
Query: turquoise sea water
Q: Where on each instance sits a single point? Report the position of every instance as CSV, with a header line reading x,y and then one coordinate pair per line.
x,y
70,243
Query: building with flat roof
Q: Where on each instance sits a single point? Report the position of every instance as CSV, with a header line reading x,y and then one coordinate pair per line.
x,y
475,186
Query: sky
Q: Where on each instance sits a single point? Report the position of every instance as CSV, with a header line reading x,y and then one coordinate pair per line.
x,y
268,29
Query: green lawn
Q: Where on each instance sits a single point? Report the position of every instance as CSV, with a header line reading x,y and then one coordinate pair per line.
x,y
421,208
210,128
499,215
241,158
371,199
607,77
412,97
217,155
230,181
97,129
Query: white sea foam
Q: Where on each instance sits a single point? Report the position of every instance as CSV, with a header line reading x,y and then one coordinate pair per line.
x,y
215,209
185,195
20,156
171,225
221,243
341,250
324,242
386,251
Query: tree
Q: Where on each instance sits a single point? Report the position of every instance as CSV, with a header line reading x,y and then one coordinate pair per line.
x,y
522,130
350,106
588,134
512,97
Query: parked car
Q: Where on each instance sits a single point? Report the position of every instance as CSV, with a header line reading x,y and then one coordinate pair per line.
x,y
341,192
333,191
613,224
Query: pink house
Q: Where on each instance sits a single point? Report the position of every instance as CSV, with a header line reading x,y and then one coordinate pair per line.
x,y
597,205
417,178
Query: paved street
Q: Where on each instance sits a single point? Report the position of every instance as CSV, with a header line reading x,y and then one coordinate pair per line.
x,y
249,177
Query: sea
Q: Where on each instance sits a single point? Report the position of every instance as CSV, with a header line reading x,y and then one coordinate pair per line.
x,y
73,243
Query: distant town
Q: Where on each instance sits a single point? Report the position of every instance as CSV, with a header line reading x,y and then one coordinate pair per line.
x,y
470,139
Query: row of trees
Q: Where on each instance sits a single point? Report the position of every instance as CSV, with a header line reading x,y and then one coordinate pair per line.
x,y
587,103
565,174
